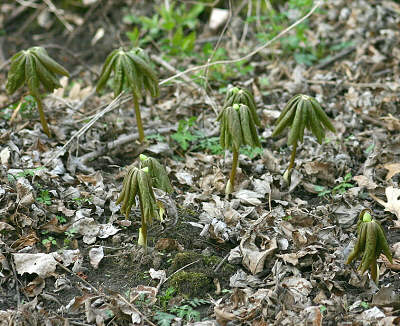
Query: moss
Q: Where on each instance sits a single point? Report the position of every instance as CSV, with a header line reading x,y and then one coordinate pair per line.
x,y
191,284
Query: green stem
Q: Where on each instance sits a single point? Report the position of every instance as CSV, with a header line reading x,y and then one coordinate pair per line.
x,y
287,176
292,157
143,229
231,185
138,119
42,116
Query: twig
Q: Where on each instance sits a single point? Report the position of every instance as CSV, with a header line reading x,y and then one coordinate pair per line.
x,y
182,268
136,310
337,56
350,84
372,120
249,55
172,69
85,19
246,25
81,279
16,283
216,269
121,141
59,15
86,127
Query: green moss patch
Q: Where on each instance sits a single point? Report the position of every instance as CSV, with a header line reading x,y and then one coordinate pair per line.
x,y
192,284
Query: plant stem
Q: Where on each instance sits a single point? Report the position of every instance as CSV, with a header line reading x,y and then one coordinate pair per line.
x,y
231,185
42,116
138,119
292,157
287,176
143,229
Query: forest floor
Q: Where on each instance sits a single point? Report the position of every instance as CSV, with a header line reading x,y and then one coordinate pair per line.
x,y
269,254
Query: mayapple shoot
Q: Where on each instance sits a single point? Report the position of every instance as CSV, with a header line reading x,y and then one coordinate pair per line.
x,y
237,127
157,172
371,242
132,70
140,182
35,67
301,112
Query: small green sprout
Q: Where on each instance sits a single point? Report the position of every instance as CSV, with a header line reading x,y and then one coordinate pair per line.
x,y
371,242
301,112
237,127
157,172
242,96
139,182
35,67
131,70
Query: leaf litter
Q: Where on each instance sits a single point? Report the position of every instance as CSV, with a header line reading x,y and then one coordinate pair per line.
x,y
277,254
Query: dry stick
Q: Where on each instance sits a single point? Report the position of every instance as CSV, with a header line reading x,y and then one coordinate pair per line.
x,y
86,127
112,105
246,25
121,141
136,310
16,283
85,19
172,69
59,15
337,56
83,281
180,269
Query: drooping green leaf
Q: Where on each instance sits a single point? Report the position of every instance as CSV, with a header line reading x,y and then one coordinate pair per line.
x,y
157,172
48,62
16,75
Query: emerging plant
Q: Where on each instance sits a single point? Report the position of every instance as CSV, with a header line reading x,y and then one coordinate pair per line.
x,y
302,111
371,242
131,70
35,67
157,173
237,128
242,96
138,182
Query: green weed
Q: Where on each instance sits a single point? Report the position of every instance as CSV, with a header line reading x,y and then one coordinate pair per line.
x,y
341,188
44,197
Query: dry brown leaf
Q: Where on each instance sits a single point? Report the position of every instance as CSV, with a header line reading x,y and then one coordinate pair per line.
x,y
393,203
34,288
364,181
393,168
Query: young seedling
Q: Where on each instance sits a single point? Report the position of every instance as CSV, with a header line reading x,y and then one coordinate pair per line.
x,y
35,67
302,111
157,173
242,96
237,128
371,242
138,182
131,70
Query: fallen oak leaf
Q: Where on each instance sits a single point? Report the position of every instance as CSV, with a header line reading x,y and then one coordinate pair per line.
x,y
393,203
393,169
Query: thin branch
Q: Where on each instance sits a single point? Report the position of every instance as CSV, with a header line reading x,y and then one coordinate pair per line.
x,y
136,310
59,15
